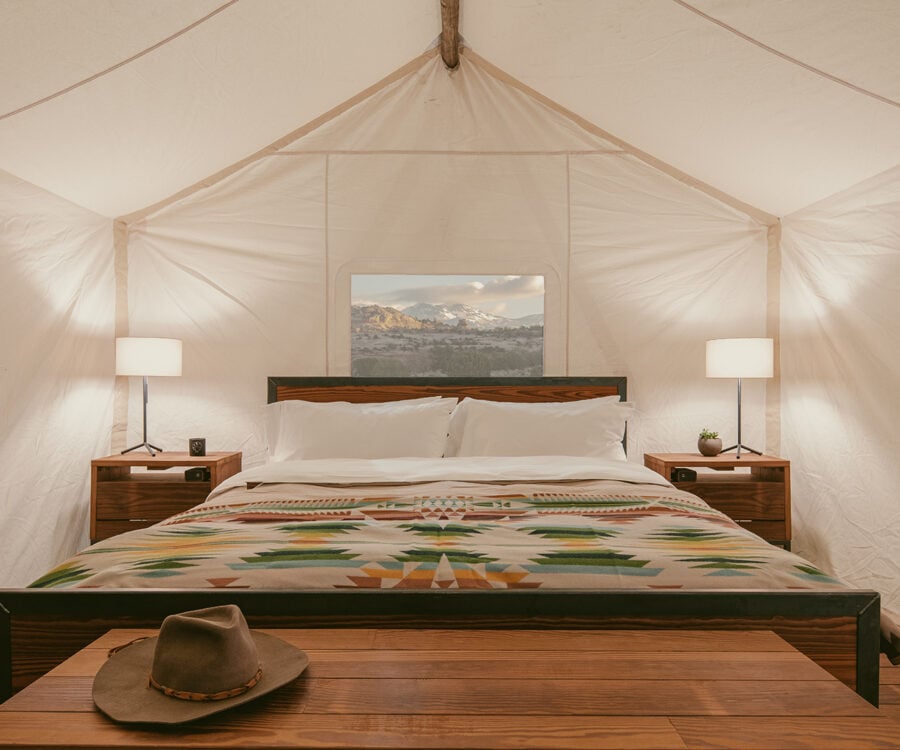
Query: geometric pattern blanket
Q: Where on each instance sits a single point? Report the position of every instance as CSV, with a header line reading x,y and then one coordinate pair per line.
x,y
595,534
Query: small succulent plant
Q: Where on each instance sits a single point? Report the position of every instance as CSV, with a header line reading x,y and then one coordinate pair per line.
x,y
708,434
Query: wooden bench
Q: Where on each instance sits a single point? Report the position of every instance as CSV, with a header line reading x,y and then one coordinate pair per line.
x,y
403,688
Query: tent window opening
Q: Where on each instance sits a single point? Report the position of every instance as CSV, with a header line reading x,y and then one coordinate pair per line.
x,y
446,325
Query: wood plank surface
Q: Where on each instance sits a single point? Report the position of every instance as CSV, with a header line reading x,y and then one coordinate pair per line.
x,y
538,696
248,729
800,733
890,689
504,641
722,461
399,688
525,664
890,673
167,459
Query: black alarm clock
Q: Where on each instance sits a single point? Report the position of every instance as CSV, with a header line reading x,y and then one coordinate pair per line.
x,y
681,474
197,446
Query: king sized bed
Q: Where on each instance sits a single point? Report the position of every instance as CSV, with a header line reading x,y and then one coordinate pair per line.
x,y
446,503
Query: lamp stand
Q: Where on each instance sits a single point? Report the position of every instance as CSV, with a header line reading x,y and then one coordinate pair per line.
x,y
153,450
739,445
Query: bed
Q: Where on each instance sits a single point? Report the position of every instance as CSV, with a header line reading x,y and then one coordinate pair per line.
x,y
500,532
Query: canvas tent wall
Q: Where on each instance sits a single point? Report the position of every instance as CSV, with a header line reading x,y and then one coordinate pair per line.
x,y
840,328
57,307
468,171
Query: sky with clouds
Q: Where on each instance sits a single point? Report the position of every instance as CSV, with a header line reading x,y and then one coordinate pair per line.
x,y
510,296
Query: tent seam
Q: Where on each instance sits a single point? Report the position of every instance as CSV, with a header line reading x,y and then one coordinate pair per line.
x,y
328,295
568,293
787,58
120,64
122,386
446,152
773,331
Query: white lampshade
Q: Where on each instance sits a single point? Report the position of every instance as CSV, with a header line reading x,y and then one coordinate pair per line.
x,y
739,358
139,356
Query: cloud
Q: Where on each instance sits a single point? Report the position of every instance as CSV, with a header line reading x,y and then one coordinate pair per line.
x,y
493,290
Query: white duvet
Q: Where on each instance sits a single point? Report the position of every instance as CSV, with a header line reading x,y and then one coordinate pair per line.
x,y
381,471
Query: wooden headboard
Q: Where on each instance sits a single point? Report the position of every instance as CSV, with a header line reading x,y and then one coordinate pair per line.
x,y
368,390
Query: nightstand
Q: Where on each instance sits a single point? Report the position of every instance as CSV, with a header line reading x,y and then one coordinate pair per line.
x,y
122,499
755,491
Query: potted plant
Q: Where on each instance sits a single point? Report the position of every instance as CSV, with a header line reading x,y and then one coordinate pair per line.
x,y
709,443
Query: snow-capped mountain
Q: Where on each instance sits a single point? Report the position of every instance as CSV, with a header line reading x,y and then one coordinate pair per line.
x,y
451,314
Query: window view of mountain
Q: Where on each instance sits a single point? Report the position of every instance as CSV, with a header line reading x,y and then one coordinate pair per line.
x,y
445,339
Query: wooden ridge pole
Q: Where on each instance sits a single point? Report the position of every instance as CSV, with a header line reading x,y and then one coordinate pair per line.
x,y
450,33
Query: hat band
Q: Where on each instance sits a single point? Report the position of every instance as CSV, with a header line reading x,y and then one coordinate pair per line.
x,y
185,695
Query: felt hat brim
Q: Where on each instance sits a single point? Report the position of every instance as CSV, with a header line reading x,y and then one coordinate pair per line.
x,y
122,690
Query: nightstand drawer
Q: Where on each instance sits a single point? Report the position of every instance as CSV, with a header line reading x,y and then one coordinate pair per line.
x,y
741,499
771,531
149,497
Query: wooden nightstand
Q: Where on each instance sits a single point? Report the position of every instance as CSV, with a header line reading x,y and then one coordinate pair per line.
x,y
758,499
122,500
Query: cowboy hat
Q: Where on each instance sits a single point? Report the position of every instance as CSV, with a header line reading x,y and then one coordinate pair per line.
x,y
202,662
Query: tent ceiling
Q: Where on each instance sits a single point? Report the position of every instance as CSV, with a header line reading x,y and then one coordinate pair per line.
x,y
658,75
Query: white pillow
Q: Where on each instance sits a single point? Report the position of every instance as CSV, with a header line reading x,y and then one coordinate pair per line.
x,y
338,429
590,427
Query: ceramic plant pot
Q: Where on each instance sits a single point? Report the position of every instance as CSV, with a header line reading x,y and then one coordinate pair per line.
x,y
710,446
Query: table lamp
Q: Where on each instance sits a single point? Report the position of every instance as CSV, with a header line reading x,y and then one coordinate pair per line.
x,y
740,358
144,357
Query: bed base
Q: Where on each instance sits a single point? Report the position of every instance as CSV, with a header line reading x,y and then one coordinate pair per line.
x,y
838,630
39,628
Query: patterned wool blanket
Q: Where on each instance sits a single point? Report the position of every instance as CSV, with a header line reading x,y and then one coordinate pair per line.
x,y
595,534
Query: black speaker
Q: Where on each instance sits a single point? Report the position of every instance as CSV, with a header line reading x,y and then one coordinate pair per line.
x,y
197,446
197,474
681,474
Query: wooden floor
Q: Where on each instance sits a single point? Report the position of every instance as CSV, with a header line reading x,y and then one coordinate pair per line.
x,y
499,689
890,688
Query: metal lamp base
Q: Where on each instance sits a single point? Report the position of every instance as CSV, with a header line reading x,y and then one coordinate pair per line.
x,y
151,449
739,448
